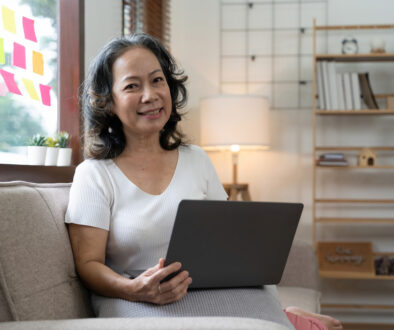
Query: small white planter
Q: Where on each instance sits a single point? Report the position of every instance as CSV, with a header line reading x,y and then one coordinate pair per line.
x,y
51,156
64,157
36,155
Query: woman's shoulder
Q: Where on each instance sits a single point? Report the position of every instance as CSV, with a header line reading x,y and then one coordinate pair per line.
x,y
191,149
195,154
91,163
92,168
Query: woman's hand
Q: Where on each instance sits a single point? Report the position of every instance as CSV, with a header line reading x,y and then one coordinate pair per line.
x,y
147,286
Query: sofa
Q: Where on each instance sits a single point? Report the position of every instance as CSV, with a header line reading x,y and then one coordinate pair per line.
x,y
40,289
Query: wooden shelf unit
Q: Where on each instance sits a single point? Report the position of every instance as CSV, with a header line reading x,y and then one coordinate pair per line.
x,y
352,276
363,201
328,112
376,167
351,148
319,149
355,220
384,57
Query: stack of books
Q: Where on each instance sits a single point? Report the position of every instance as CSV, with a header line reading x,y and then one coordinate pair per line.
x,y
343,90
332,159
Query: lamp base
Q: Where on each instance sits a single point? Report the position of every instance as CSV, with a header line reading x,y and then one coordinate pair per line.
x,y
235,189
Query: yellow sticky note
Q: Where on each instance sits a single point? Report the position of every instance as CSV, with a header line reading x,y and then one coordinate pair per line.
x,y
2,56
38,63
8,19
30,88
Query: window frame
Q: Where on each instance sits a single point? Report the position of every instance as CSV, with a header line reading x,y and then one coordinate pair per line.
x,y
71,39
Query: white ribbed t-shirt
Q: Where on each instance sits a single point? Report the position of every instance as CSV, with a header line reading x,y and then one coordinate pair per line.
x,y
139,224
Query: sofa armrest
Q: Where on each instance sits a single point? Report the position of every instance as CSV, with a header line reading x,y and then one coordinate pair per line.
x,y
301,269
148,323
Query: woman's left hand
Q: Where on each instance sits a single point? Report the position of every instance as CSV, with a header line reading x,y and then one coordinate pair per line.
x,y
149,287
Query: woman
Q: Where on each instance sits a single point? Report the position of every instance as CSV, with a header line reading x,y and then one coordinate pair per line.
x,y
125,195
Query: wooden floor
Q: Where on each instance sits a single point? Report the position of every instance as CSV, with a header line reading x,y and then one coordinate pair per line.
x,y
364,326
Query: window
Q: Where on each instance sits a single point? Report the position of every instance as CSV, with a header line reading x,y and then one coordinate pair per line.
x,y
41,70
149,16
28,74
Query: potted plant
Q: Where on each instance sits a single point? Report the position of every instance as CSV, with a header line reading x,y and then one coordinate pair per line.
x,y
64,155
52,151
36,150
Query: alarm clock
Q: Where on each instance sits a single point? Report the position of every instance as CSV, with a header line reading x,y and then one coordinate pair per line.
x,y
349,46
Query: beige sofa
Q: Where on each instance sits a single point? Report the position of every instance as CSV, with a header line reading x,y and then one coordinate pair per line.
x,y
40,289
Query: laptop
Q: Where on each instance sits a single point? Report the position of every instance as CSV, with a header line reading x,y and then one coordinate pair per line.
x,y
224,244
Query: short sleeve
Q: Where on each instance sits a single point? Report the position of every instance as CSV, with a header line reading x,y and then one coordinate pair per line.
x,y
90,196
215,188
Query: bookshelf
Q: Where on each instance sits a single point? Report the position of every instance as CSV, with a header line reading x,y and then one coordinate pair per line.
x,y
329,120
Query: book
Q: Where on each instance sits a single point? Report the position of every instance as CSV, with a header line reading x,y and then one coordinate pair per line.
x,y
320,86
332,80
366,91
347,89
326,87
332,159
332,163
332,155
340,92
355,90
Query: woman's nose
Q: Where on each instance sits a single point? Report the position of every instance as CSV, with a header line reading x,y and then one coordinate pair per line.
x,y
148,94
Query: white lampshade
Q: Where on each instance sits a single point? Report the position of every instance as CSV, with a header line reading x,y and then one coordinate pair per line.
x,y
235,120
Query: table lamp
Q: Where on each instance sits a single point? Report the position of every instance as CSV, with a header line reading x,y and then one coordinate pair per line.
x,y
235,123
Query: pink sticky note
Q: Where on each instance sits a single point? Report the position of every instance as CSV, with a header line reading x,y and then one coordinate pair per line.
x,y
3,89
10,82
45,94
28,28
19,56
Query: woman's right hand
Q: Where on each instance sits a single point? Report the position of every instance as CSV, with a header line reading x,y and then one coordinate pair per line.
x,y
147,287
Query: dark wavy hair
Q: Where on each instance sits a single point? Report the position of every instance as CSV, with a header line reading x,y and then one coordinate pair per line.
x,y
97,101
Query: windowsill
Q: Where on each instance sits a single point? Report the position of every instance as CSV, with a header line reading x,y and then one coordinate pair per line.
x,y
36,173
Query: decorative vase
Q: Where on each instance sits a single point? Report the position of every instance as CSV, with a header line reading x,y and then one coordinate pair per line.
x,y
51,156
378,45
64,157
36,155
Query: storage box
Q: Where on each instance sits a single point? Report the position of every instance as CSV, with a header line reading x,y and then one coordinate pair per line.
x,y
390,102
346,259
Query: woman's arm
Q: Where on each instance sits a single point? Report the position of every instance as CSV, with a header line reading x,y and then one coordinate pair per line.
x,y
88,245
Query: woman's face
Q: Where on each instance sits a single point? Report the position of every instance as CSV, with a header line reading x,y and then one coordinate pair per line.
x,y
141,95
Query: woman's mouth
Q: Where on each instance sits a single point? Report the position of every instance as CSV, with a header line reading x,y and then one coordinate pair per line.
x,y
150,113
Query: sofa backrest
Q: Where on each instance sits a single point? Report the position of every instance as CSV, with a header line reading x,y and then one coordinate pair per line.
x,y
37,273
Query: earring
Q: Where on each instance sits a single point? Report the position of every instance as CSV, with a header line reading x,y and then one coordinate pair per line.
x,y
110,130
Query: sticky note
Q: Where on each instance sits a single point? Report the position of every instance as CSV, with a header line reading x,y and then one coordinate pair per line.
x,y
28,29
45,94
10,82
2,56
30,88
19,56
3,89
8,19
38,63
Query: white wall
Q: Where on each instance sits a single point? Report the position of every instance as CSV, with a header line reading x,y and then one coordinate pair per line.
x,y
103,21
285,172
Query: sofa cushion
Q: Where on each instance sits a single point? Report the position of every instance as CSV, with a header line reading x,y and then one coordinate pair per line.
x,y
304,298
37,273
180,323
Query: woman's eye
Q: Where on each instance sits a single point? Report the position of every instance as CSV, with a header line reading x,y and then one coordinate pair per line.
x,y
158,79
131,86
